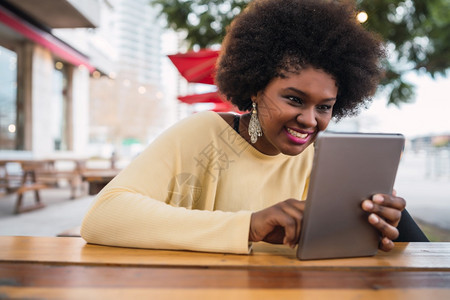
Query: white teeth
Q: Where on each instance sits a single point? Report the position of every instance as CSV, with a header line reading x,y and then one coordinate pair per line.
x,y
297,134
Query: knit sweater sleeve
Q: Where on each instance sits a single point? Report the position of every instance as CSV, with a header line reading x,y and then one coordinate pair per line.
x,y
162,200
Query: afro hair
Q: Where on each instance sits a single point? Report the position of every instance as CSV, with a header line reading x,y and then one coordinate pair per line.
x,y
271,37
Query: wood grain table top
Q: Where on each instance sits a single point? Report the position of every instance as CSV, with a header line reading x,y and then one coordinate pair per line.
x,y
69,268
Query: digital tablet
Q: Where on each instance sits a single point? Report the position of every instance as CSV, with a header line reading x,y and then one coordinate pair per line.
x,y
348,168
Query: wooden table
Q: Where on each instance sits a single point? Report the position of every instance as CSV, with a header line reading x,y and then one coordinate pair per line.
x,y
34,171
98,179
68,268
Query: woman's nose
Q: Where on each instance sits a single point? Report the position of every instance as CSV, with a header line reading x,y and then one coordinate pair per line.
x,y
307,118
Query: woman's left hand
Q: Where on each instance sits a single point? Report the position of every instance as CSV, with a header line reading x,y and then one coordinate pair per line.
x,y
386,211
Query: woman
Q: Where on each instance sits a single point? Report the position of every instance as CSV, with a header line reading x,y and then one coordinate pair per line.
x,y
219,182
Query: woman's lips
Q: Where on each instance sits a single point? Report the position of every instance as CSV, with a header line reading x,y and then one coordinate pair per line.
x,y
298,137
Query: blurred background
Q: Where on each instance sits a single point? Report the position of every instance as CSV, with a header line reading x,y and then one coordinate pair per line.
x,y
85,85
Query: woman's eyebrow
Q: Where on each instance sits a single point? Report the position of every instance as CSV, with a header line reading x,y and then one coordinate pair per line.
x,y
295,90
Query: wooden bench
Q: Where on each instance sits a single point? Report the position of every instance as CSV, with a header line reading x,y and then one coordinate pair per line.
x,y
33,187
9,182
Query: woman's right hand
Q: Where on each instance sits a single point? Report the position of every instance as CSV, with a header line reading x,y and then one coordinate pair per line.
x,y
278,224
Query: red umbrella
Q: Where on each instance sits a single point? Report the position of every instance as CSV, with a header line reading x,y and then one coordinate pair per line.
x,y
196,66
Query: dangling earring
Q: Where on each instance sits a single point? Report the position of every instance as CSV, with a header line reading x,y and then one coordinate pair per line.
x,y
254,127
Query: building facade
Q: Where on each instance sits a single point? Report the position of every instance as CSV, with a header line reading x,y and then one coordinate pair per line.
x,y
138,41
128,107
44,89
87,81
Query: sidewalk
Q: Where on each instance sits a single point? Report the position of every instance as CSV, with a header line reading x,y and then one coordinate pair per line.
x,y
60,214
426,192
428,201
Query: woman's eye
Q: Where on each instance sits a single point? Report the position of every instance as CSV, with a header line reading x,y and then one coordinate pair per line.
x,y
295,99
325,107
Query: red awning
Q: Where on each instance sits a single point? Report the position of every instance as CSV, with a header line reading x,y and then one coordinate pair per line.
x,y
223,107
196,66
45,39
220,104
199,67
212,97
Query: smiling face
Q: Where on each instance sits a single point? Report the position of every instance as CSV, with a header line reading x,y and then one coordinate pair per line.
x,y
293,109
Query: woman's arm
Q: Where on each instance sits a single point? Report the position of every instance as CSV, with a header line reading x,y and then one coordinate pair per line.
x,y
149,205
124,218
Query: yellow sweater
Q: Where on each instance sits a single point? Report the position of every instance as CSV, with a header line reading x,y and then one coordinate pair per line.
x,y
194,188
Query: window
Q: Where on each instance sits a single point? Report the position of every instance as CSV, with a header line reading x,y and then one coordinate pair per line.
x,y
8,100
60,130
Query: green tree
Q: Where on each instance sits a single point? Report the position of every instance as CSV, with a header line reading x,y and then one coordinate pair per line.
x,y
204,21
417,33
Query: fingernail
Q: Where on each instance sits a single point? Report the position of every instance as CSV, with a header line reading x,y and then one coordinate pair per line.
x,y
368,205
378,198
373,219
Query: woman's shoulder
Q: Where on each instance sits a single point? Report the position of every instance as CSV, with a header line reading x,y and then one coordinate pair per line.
x,y
211,115
190,133
227,117
199,124
206,119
